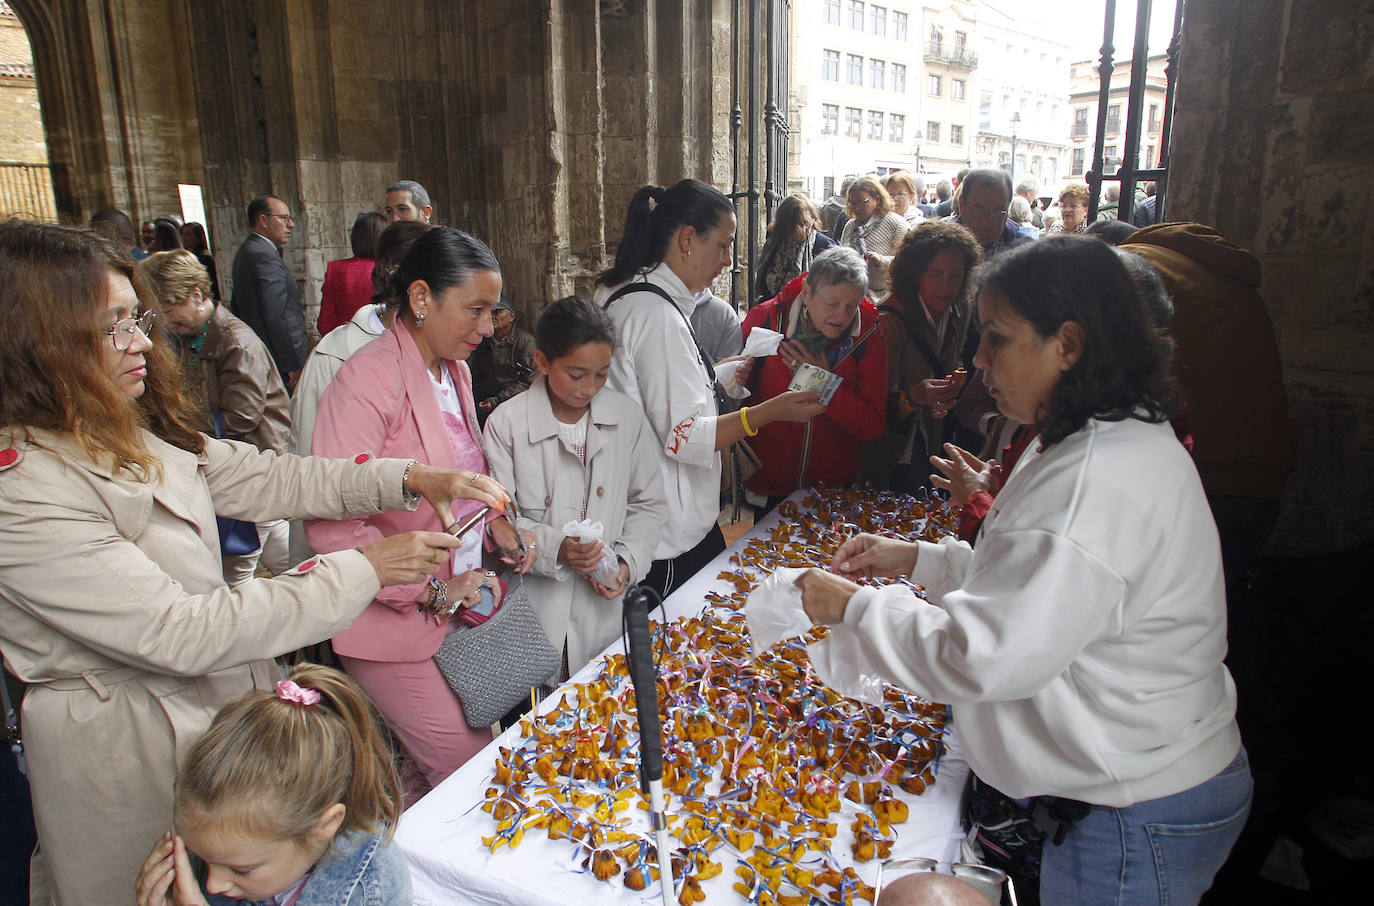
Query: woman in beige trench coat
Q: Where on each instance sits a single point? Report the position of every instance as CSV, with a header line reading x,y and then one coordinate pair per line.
x,y
112,604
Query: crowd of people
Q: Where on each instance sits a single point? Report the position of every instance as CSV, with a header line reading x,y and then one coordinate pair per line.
x,y
145,417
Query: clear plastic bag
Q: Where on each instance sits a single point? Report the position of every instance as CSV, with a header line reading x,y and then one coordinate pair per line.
x,y
607,572
774,612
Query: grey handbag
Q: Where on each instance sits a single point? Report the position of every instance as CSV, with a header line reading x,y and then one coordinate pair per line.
x,y
492,666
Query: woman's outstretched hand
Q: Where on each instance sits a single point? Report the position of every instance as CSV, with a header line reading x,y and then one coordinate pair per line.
x,y
873,555
410,557
792,406
504,533
964,474
443,486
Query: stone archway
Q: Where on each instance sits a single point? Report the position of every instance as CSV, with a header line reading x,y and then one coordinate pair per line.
x,y
117,109
25,183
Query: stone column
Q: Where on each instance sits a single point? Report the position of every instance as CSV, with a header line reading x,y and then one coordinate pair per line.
x,y
1274,146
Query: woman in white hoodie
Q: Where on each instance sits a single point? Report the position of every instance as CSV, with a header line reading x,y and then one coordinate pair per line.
x,y
1080,643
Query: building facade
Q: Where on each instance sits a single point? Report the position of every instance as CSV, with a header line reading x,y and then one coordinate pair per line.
x,y
948,36
856,68
1084,88
1023,92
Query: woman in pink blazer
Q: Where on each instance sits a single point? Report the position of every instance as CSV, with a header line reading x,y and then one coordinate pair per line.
x,y
409,393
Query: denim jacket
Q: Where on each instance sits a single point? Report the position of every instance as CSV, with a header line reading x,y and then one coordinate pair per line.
x,y
357,870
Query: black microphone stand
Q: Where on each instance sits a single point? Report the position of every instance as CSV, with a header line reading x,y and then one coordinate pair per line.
x,y
639,651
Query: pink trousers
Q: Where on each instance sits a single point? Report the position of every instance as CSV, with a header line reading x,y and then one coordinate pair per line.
x,y
426,716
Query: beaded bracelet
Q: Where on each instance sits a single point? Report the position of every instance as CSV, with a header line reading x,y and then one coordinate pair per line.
x,y
438,601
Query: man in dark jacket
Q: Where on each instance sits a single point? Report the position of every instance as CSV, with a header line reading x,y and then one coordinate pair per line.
x,y
503,365
265,294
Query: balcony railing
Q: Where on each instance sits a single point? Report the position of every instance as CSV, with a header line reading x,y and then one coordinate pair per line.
x,y
1080,130
939,52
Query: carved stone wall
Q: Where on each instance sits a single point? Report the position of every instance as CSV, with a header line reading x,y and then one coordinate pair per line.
x,y
1274,146
531,122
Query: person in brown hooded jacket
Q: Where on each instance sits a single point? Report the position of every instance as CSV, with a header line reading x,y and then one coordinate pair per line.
x,y
1227,362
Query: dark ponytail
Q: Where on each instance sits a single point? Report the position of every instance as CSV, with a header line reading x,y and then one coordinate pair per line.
x,y
649,229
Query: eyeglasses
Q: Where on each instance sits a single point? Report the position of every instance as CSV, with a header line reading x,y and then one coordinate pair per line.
x,y
987,880
983,213
122,332
287,218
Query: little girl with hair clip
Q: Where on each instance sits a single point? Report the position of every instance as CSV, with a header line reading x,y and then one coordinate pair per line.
x,y
290,799
570,450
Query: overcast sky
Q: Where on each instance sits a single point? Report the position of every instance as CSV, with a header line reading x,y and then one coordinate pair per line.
x,y
1080,23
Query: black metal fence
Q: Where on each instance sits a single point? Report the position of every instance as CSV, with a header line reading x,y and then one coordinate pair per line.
x,y
1130,172
759,39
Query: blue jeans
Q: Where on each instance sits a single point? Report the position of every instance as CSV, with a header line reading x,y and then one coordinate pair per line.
x,y
1164,851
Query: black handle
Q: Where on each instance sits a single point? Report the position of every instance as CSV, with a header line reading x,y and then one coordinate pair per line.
x,y
644,675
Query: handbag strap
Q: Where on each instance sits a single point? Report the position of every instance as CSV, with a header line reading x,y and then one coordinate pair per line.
x,y
11,734
646,286
913,332
11,722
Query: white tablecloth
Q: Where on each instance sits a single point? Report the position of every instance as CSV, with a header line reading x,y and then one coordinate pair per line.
x,y
441,834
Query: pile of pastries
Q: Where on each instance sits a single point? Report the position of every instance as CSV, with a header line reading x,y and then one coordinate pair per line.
x,y
769,774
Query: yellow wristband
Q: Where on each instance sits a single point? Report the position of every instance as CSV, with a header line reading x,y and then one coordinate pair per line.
x,y
744,421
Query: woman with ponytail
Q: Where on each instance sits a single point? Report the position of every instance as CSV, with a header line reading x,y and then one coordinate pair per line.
x,y
676,242
290,797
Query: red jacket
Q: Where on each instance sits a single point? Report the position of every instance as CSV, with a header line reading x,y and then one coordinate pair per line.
x,y
825,450
347,288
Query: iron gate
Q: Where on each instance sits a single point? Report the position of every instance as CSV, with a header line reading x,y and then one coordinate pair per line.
x,y
759,35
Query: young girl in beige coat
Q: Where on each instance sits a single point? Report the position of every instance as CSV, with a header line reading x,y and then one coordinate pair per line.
x,y
113,608
569,450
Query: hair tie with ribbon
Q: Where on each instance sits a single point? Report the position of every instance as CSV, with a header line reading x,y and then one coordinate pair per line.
x,y
288,691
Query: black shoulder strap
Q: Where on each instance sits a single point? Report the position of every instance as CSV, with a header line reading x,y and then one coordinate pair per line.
x,y
933,360
645,286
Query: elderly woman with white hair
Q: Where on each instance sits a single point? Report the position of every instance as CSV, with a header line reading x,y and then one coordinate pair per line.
x,y
828,322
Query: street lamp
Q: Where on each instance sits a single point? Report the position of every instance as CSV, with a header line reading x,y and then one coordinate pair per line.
x,y
918,153
1015,124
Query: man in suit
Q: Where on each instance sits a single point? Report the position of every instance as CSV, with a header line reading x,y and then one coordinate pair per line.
x,y
265,293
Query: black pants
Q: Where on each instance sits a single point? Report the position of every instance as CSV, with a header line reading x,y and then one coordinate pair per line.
x,y
665,576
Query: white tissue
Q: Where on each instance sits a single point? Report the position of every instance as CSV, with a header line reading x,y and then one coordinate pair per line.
x,y
761,344
608,570
774,612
